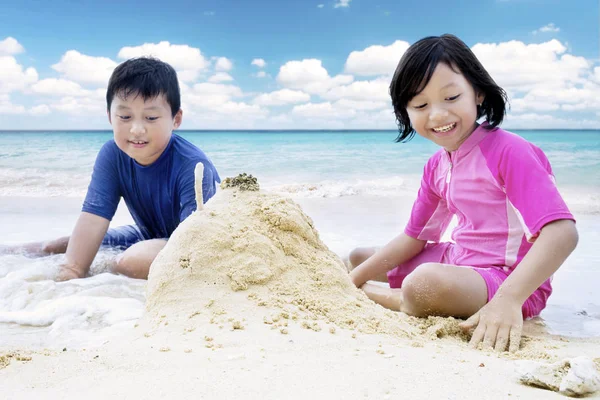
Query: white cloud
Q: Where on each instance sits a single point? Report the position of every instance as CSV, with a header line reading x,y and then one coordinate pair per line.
x,y
85,69
42,109
209,13
188,61
13,77
80,106
10,46
376,60
223,64
320,5
547,121
342,3
377,90
282,97
58,87
261,74
547,28
365,105
322,110
521,67
259,62
220,77
310,76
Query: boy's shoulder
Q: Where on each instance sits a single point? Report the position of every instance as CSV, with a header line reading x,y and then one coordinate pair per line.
x,y
186,150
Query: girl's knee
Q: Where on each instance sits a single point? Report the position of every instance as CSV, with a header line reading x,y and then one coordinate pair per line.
x,y
424,289
359,255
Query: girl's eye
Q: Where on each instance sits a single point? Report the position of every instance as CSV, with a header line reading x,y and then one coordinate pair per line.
x,y
453,97
420,106
124,117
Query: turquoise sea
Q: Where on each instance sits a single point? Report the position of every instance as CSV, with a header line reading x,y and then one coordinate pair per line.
x,y
357,186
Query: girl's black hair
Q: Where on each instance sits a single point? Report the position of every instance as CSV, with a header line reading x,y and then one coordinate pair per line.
x,y
416,68
147,77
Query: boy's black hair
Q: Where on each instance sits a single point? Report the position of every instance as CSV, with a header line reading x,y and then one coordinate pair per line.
x,y
147,77
416,68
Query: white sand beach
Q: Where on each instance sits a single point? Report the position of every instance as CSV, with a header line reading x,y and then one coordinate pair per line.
x,y
246,301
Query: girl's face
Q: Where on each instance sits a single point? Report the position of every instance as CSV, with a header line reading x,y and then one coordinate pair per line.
x,y
445,111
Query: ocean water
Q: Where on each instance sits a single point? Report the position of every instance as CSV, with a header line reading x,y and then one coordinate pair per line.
x,y
357,186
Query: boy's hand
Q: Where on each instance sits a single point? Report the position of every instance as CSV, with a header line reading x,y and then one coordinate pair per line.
x,y
68,272
497,324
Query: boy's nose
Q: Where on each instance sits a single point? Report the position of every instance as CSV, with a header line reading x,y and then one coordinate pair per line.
x,y
137,128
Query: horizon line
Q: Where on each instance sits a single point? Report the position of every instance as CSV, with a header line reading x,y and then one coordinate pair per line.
x,y
278,130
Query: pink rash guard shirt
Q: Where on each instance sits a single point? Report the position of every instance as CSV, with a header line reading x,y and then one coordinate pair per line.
x,y
503,192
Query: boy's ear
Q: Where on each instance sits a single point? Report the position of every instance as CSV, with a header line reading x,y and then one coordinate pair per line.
x,y
178,119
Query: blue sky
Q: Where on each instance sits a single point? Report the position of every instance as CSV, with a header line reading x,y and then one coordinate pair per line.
x,y
325,64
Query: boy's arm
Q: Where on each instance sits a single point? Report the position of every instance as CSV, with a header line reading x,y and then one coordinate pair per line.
x,y
398,251
83,245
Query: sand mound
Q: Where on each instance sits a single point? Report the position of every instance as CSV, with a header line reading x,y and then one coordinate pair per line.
x,y
255,257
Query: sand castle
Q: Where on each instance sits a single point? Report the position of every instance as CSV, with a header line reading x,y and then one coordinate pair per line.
x,y
250,257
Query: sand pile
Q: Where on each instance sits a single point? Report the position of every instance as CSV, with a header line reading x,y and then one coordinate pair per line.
x,y
251,257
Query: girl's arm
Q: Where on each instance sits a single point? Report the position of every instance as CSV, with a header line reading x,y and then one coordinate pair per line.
x,y
500,322
401,249
556,241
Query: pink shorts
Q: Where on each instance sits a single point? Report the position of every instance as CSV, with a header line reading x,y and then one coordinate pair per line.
x,y
493,276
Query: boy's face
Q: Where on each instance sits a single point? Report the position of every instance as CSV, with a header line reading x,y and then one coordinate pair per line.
x,y
142,129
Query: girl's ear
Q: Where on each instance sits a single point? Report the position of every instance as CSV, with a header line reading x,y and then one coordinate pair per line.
x,y
480,98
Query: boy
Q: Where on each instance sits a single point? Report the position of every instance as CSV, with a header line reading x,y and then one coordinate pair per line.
x,y
152,169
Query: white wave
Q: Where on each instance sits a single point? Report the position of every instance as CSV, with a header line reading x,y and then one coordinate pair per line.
x,y
388,187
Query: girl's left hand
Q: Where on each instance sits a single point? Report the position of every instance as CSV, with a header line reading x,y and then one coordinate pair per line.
x,y
497,324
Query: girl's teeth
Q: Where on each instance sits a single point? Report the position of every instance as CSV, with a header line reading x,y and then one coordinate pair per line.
x,y
445,128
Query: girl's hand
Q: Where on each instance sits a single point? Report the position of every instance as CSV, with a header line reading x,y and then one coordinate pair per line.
x,y
497,324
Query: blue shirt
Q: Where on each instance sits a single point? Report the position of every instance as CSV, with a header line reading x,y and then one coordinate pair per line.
x,y
159,196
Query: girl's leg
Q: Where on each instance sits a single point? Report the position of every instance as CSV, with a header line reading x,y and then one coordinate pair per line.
x,y
358,256
434,289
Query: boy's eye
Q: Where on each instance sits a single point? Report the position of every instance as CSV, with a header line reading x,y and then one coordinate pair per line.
x,y
453,97
151,118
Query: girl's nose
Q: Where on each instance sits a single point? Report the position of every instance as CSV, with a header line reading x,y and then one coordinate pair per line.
x,y
437,113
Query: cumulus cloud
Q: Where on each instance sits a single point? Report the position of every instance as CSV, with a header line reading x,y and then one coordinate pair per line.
x,y
259,62
220,77
310,76
342,3
58,87
188,61
322,110
521,67
261,74
13,76
377,90
320,5
10,46
82,68
282,97
547,28
223,64
376,60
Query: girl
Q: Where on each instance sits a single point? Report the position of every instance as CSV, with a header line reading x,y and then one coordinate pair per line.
x,y
514,229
